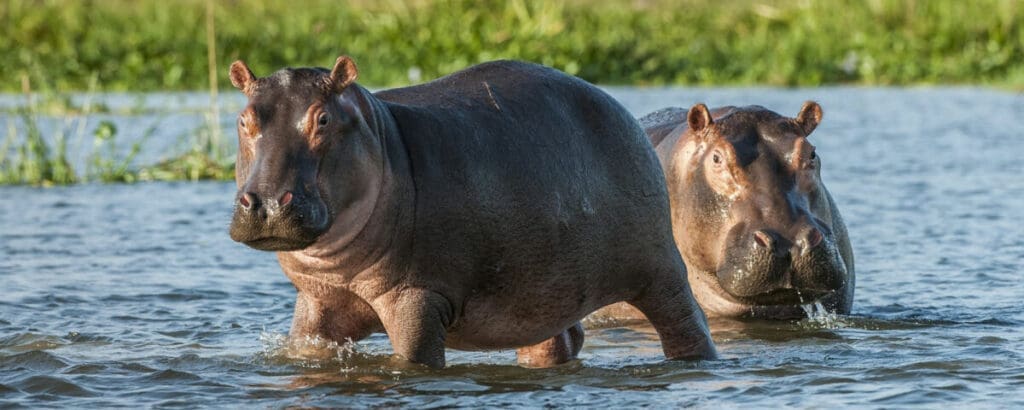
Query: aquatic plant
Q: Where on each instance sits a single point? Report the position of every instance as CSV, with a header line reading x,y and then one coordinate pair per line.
x,y
27,157
201,161
105,163
30,157
34,160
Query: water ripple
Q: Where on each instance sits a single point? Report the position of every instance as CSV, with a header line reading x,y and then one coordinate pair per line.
x,y
21,342
106,305
169,376
34,360
43,386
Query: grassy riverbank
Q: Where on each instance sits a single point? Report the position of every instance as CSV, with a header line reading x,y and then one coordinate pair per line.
x,y
148,45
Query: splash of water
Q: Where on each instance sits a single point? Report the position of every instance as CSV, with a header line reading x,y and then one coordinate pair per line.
x,y
309,351
820,317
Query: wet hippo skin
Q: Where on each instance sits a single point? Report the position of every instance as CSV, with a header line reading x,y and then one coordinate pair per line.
x,y
760,233
490,209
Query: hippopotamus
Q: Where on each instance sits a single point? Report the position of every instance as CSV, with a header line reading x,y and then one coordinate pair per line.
x,y
492,208
759,232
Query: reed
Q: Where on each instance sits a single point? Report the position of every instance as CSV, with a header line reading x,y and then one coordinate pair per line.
x,y
206,158
27,157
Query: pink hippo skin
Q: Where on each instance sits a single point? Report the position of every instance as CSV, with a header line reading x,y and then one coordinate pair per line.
x,y
490,209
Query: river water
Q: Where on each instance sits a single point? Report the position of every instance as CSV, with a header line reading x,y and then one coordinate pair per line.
x,y
133,295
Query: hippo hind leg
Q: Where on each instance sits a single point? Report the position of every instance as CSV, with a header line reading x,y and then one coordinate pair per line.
x,y
679,321
557,350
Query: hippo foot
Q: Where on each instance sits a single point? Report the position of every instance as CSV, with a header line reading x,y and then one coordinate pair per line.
x,y
554,351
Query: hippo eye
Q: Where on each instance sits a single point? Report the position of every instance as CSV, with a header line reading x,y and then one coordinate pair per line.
x,y
814,155
323,119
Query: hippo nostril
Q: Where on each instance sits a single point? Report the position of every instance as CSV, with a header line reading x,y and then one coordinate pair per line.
x,y
285,199
764,239
811,239
814,238
247,201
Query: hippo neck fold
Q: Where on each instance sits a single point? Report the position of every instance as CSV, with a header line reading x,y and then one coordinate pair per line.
x,y
349,249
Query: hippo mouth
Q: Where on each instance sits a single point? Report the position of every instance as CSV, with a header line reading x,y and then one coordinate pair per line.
x,y
272,243
787,297
278,237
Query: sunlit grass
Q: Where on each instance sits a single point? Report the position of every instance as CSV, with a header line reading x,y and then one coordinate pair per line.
x,y
144,45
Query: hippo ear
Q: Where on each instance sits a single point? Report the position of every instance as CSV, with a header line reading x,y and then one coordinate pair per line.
x,y
699,118
241,76
344,73
809,117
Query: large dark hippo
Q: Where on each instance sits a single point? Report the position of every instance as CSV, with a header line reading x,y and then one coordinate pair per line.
x,y
759,232
489,209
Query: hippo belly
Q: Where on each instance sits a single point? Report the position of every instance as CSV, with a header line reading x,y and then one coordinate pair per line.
x,y
568,263
489,321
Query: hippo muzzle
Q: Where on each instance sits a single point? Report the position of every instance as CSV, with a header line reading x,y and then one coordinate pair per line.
x,y
765,268
285,222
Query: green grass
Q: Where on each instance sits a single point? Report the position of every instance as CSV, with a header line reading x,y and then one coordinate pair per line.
x,y
144,45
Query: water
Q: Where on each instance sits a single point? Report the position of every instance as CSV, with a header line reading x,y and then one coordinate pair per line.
x,y
133,295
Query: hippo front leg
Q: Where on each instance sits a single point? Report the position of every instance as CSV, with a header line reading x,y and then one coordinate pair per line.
x,y
338,318
416,321
554,351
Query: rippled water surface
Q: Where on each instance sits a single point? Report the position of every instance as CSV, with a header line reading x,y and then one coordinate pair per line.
x,y
133,295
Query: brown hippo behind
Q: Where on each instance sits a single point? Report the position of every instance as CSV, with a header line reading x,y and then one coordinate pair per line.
x,y
759,232
483,210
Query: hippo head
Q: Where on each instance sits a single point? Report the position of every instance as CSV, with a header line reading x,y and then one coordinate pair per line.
x,y
306,161
752,216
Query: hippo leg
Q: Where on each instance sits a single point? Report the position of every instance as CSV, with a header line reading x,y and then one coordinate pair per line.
x,y
680,323
554,351
415,321
339,319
